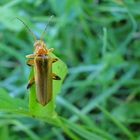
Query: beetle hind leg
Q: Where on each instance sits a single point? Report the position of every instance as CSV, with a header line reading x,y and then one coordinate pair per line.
x,y
55,77
31,82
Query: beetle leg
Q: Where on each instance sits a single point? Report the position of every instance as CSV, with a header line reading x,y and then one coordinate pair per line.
x,y
31,82
51,49
55,77
54,60
30,62
30,56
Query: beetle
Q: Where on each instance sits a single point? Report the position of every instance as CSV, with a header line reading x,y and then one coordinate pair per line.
x,y
42,63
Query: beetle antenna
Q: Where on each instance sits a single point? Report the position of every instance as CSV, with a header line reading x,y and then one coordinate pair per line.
x,y
41,37
27,28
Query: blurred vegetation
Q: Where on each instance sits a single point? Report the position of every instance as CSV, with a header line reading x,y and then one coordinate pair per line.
x,y
99,40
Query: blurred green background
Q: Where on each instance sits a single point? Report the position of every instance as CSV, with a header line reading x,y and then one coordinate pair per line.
x,y
99,40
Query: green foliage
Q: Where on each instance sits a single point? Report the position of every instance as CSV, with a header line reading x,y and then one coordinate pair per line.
x,y
99,42
11,104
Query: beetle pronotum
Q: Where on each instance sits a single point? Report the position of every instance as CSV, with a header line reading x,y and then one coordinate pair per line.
x,y
42,63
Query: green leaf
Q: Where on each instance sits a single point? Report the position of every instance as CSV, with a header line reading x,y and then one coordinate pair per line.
x,y
4,133
47,111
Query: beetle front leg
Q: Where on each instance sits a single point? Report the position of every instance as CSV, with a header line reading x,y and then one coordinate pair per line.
x,y
55,77
30,56
51,50
31,82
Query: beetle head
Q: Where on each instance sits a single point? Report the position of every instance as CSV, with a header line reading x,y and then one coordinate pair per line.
x,y
40,47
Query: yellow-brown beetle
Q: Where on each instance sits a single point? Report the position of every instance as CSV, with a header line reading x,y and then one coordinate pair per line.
x,y
43,76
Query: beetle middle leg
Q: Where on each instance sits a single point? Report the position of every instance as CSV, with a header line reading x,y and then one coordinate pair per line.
x,y
31,82
30,62
54,60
